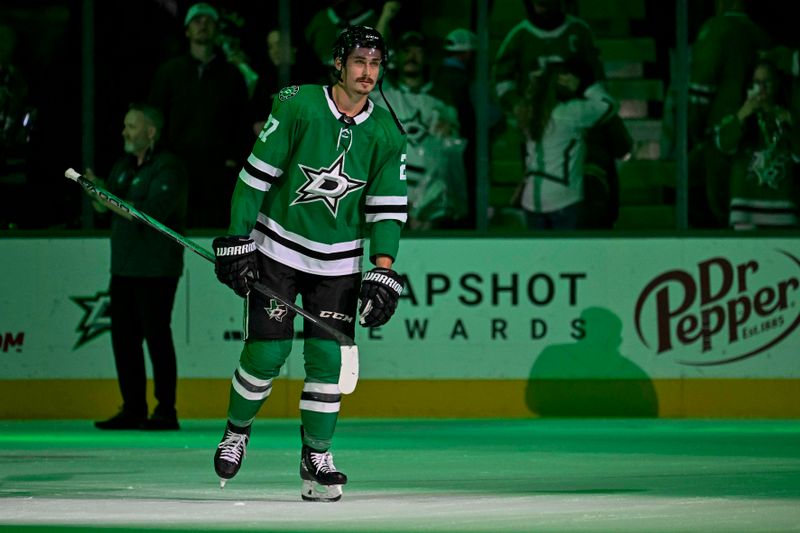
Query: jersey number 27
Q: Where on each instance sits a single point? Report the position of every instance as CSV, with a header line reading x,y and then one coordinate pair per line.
x,y
269,128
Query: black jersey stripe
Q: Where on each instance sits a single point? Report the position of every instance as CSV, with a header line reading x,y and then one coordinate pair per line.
x,y
763,209
321,397
389,208
314,254
250,386
258,174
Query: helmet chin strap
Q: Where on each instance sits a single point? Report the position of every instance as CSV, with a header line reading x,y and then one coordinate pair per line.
x,y
388,105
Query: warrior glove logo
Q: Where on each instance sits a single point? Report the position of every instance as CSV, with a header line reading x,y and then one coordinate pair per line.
x,y
327,185
384,280
236,250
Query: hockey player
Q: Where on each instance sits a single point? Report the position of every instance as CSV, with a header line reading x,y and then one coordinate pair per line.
x,y
326,172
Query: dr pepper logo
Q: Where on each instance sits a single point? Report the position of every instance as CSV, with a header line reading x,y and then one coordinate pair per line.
x,y
721,311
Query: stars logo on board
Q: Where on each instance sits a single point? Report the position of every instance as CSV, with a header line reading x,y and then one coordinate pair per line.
x,y
96,316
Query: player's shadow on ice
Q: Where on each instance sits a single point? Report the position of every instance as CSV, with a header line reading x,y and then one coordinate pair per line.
x,y
590,377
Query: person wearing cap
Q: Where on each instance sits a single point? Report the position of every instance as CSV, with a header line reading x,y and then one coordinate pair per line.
x,y
204,101
453,82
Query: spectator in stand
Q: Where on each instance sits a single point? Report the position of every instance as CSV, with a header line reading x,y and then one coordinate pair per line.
x,y
231,27
454,84
301,70
723,57
435,162
453,81
548,35
204,101
328,23
15,126
763,149
552,194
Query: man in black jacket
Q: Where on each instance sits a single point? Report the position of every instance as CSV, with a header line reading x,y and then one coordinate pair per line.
x,y
204,100
145,268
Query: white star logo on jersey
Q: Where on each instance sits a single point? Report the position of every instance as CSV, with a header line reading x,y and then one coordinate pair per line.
x,y
327,185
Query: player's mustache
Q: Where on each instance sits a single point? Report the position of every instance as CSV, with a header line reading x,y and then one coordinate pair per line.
x,y
365,80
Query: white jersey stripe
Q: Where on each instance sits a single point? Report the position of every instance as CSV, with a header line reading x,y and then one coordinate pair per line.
x,y
264,166
306,243
386,200
319,407
250,378
324,388
249,395
296,260
255,183
377,217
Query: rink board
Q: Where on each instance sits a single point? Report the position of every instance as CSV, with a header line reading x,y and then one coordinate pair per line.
x,y
492,327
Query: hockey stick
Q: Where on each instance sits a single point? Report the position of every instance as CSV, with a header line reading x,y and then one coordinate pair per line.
x,y
348,375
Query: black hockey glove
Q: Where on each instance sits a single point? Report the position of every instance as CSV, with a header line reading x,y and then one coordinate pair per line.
x,y
380,290
236,265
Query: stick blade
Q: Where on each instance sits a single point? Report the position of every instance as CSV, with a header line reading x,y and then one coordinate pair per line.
x,y
348,374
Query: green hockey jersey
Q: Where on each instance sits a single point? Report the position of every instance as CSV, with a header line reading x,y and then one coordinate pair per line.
x,y
723,59
317,184
527,49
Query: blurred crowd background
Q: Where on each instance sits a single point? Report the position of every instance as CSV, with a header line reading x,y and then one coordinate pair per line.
x,y
468,79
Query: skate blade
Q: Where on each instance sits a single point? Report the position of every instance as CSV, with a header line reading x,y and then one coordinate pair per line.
x,y
222,482
314,492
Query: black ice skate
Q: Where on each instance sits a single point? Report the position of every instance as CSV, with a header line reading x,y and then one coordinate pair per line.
x,y
230,452
321,481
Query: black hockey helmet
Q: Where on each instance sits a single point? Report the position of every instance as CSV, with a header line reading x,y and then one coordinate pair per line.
x,y
354,37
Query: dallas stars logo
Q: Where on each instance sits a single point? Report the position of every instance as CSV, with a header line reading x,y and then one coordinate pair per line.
x,y
96,319
327,185
276,310
416,129
288,92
